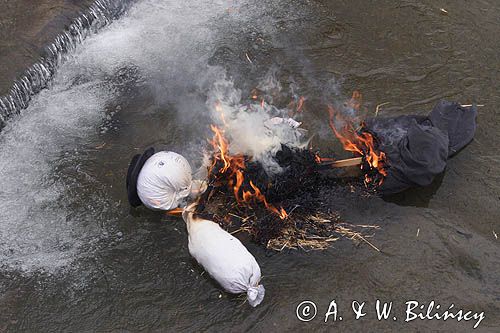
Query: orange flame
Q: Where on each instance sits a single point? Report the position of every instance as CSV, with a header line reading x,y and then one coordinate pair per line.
x,y
175,211
233,169
352,140
318,159
257,195
221,145
296,106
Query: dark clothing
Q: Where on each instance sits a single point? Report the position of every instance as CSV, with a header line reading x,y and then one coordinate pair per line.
x,y
417,147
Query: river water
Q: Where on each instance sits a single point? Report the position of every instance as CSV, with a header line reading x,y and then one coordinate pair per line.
x,y
75,257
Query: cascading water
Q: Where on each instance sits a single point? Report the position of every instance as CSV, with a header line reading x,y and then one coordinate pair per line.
x,y
36,77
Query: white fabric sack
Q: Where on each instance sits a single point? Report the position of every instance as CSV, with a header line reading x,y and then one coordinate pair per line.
x,y
224,258
164,181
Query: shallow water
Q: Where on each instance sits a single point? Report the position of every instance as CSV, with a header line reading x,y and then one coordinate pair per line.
x,y
75,257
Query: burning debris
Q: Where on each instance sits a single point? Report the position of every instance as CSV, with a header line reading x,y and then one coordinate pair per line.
x,y
279,211
356,138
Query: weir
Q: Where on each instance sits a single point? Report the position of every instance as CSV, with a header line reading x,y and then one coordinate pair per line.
x,y
38,75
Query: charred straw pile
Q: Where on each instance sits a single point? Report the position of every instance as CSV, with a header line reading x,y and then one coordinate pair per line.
x,y
287,210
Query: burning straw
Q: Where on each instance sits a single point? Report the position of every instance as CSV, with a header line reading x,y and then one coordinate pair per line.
x,y
279,212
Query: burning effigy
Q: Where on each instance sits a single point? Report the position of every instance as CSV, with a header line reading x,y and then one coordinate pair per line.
x,y
261,176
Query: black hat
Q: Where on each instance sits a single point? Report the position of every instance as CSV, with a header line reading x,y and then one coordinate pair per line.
x,y
134,169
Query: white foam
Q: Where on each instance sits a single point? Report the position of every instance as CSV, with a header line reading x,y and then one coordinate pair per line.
x,y
33,215
164,40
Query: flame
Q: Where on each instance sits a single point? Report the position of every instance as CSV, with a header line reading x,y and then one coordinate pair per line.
x,y
257,195
318,159
232,168
175,211
221,145
239,181
360,143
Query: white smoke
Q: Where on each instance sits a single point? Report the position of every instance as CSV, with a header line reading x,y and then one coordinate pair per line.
x,y
249,124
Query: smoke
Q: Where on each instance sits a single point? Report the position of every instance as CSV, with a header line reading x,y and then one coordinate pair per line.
x,y
270,85
253,126
390,131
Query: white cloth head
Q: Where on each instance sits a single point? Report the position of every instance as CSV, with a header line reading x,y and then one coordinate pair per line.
x,y
164,181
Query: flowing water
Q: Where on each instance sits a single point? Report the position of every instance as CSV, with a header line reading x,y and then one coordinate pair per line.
x,y
75,257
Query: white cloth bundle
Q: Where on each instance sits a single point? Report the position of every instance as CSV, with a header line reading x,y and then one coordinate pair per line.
x,y
164,181
224,258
